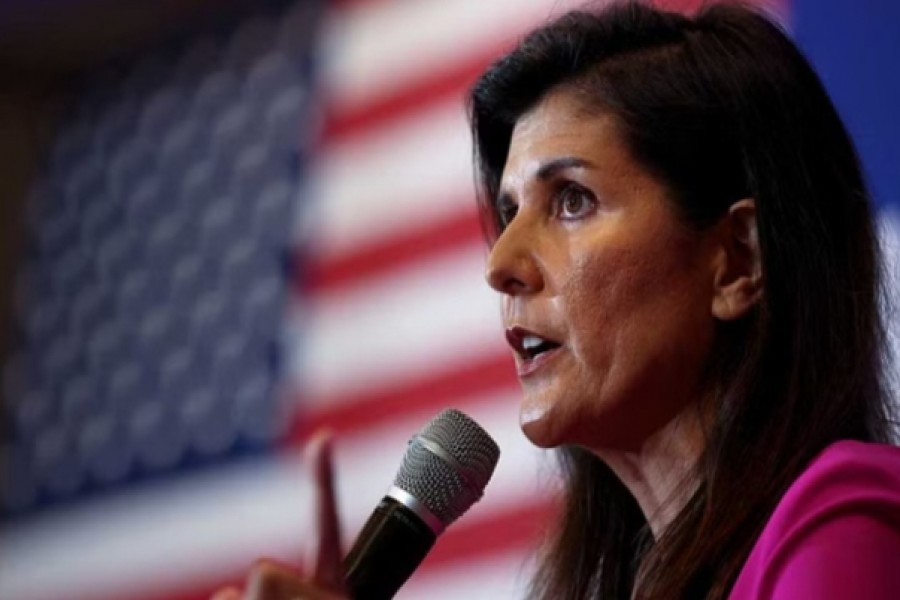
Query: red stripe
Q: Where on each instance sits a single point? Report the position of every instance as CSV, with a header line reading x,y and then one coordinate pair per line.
x,y
446,82
316,275
468,541
432,391
518,527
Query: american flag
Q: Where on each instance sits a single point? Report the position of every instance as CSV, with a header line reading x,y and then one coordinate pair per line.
x,y
264,229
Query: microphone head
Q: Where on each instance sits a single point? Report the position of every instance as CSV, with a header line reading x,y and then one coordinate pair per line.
x,y
447,465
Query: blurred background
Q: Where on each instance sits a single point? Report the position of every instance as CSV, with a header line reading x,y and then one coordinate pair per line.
x,y
226,224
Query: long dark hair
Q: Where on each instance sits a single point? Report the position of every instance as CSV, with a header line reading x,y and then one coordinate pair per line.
x,y
720,106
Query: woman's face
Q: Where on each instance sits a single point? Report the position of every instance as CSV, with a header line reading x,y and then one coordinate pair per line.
x,y
606,294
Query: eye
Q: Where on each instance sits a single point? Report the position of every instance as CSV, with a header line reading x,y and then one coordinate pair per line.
x,y
574,202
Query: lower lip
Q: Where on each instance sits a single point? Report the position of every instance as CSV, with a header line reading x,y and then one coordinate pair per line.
x,y
528,366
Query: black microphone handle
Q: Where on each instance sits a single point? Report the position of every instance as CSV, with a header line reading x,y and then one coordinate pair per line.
x,y
389,548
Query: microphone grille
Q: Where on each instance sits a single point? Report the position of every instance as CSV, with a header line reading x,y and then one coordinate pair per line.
x,y
448,464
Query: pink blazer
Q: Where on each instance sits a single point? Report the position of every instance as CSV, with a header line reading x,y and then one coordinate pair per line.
x,y
835,535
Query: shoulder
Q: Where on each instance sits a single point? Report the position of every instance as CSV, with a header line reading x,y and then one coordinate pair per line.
x,y
846,475
836,531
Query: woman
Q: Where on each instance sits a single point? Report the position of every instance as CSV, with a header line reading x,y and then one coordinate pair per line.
x,y
684,245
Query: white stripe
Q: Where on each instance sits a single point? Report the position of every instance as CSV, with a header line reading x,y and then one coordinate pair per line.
x,y
218,522
161,536
889,233
434,314
418,169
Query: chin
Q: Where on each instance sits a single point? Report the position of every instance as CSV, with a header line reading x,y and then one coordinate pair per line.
x,y
542,430
537,435
556,427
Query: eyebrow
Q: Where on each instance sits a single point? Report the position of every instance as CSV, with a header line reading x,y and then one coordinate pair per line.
x,y
551,168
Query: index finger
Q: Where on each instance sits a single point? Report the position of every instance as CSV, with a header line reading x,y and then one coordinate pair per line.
x,y
327,569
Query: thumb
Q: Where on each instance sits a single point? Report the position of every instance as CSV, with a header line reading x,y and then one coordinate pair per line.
x,y
327,568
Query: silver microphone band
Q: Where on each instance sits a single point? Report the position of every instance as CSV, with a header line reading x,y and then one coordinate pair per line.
x,y
415,505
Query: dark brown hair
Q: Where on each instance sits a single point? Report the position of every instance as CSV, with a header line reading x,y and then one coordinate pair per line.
x,y
720,106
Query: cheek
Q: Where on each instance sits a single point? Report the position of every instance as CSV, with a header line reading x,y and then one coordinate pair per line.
x,y
641,330
645,277
606,295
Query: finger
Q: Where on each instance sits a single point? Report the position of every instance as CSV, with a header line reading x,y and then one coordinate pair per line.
x,y
327,569
230,593
271,581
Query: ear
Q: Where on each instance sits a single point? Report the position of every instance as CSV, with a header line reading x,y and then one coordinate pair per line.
x,y
738,279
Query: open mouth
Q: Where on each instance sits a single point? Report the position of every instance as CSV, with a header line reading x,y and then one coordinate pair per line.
x,y
532,346
529,345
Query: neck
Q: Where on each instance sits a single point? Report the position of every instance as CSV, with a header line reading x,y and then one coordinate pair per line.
x,y
658,472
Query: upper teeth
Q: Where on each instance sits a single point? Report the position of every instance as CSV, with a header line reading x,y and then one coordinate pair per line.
x,y
530,342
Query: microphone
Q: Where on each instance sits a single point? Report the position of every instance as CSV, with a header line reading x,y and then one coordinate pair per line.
x,y
444,471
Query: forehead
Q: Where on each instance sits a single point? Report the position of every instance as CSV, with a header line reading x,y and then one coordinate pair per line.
x,y
561,125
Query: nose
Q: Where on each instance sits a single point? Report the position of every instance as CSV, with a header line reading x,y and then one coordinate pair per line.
x,y
511,266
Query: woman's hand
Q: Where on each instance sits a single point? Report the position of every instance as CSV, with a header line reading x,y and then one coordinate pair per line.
x,y
269,580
